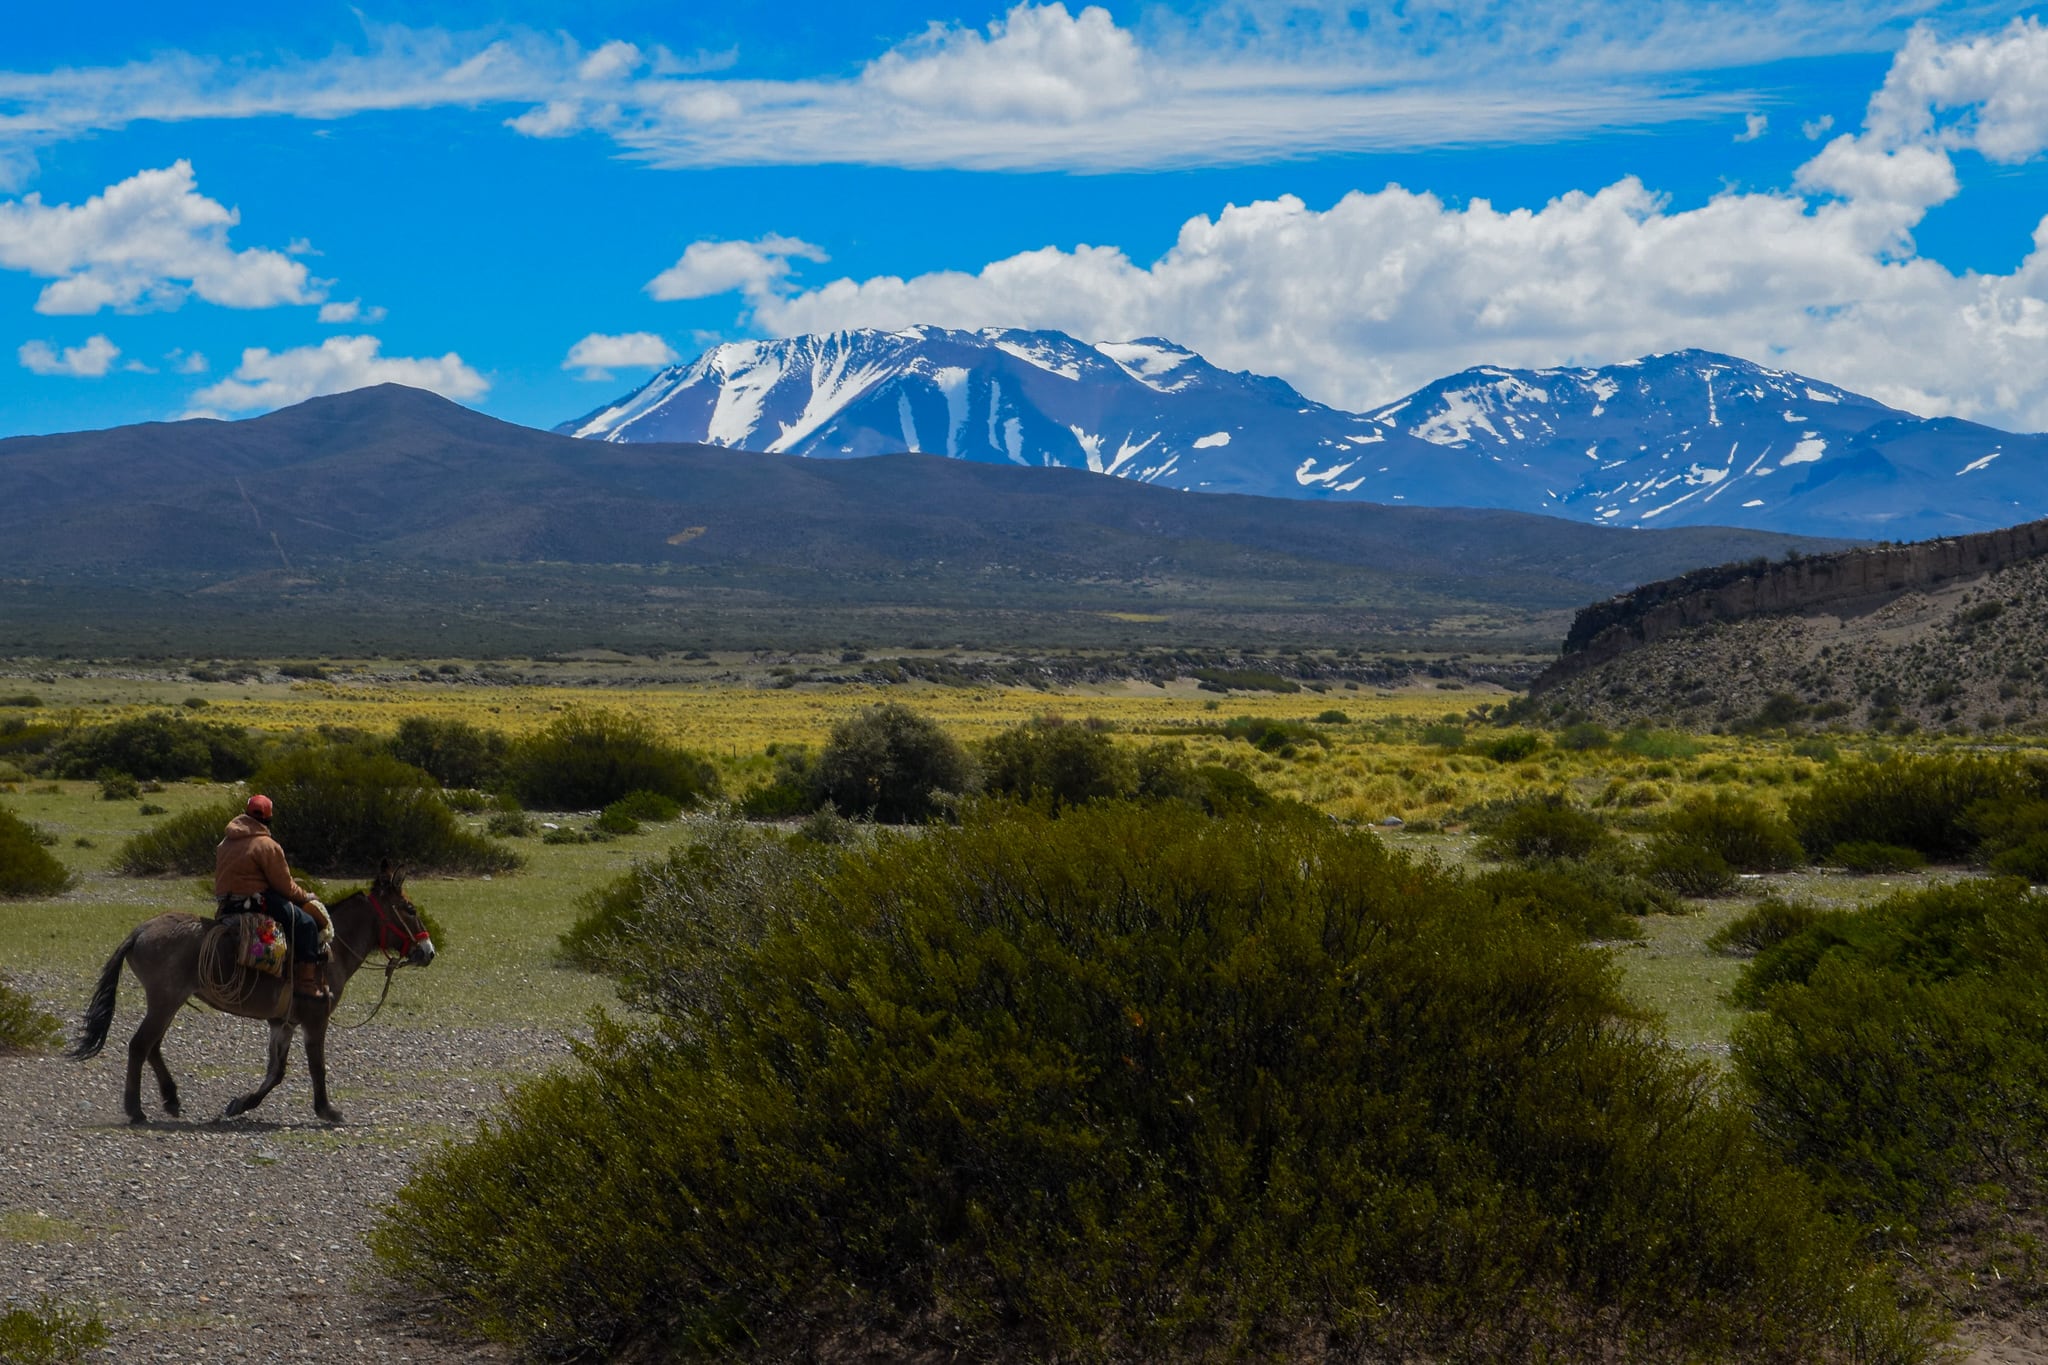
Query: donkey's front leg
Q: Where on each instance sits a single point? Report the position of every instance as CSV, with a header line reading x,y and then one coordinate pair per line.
x,y
280,1051
316,1064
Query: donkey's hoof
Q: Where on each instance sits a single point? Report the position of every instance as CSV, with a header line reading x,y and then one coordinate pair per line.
x,y
328,1112
136,1119
239,1104
172,1108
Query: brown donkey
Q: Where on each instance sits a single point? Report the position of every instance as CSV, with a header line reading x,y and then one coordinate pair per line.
x,y
169,957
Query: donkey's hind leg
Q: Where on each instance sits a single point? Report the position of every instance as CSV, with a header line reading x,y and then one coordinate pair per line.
x,y
147,1045
280,1052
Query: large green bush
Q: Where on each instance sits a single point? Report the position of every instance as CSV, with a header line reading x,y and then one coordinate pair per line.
x,y
157,746
26,867
1051,760
586,760
184,843
455,752
1547,826
1130,1083
1739,831
891,764
1916,801
344,809
1901,1055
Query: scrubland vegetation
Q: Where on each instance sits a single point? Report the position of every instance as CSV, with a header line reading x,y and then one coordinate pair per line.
x,y
1143,1024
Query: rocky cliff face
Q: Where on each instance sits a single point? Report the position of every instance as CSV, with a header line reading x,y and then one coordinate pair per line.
x,y
1852,580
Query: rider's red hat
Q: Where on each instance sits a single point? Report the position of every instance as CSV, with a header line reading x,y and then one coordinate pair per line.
x,y
260,807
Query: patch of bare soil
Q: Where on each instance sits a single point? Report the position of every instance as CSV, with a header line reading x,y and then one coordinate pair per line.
x,y
202,1238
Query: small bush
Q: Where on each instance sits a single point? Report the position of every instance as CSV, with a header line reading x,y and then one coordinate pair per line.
x,y
509,824
465,800
1512,748
183,844
1583,737
1917,801
1765,925
1741,833
1589,899
1864,857
1048,759
25,1027
1658,744
652,807
152,808
1544,827
890,764
1270,736
455,752
1444,736
1332,717
26,699
118,786
2013,834
27,867
616,819
161,746
1687,869
587,760
49,1334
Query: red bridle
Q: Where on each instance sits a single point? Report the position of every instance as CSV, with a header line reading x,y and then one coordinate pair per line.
x,y
393,938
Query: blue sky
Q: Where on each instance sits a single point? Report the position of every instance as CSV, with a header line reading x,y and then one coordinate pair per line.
x,y
527,206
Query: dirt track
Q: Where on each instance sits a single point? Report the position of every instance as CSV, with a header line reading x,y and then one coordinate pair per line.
x,y
202,1238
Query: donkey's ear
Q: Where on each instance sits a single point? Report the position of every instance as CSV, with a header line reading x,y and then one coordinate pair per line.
x,y
384,870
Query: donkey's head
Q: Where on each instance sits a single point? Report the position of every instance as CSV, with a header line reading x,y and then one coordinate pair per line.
x,y
400,926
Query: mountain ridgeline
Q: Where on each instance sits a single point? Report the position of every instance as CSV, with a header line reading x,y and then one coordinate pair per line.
x,y
355,517
1690,438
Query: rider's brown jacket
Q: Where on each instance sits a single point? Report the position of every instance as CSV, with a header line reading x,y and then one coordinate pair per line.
x,y
250,862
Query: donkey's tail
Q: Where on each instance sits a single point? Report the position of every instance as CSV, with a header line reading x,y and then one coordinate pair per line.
x,y
99,1015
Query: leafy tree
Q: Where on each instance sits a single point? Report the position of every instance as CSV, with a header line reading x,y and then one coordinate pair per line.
x,y
893,765
586,760
1065,764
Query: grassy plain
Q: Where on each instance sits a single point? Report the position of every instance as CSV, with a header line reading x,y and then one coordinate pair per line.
x,y
1368,766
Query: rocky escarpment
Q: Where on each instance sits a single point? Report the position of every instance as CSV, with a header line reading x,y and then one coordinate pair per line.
x,y
1965,653
1851,582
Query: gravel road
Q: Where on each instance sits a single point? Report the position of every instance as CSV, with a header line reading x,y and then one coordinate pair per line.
x,y
212,1239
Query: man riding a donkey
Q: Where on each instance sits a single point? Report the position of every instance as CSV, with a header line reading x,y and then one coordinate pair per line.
x,y
250,876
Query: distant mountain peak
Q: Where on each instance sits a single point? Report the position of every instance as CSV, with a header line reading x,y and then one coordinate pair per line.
x,y
1682,437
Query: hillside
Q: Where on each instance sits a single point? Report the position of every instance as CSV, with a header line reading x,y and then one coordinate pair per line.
x,y
389,511
1945,635
1691,438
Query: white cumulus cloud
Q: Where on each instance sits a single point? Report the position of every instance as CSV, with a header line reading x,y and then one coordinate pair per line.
x,y
89,361
1037,62
350,311
1380,292
597,355
146,242
755,268
275,379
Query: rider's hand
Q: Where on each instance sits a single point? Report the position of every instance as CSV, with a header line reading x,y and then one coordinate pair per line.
x,y
319,912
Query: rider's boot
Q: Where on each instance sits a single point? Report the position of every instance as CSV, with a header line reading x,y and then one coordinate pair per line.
x,y
310,981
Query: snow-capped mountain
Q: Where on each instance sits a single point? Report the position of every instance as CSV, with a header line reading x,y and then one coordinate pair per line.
x,y
1688,438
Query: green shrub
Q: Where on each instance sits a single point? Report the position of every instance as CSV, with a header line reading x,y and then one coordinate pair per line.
x,y
1765,925
1820,750
1584,736
1865,857
344,809
1900,1056
1546,826
183,844
1916,801
29,699
465,800
1128,1083
457,753
614,819
27,867
1658,744
509,824
586,760
2013,835
1687,869
159,745
25,1026
652,807
1051,760
1512,748
1445,736
1591,900
49,1334
1332,717
1740,832
890,764
118,786
1270,736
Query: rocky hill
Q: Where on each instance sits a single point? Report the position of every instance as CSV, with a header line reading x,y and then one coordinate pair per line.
x,y
1689,438
1948,634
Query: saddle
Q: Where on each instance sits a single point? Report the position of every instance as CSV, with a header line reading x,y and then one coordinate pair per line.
x,y
252,939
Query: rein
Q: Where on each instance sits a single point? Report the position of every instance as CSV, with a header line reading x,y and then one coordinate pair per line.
x,y
389,928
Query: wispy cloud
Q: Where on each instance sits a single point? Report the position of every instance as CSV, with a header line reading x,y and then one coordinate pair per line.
x,y
1043,86
89,361
1363,300
597,355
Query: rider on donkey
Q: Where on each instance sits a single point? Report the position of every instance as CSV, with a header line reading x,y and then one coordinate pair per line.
x,y
250,874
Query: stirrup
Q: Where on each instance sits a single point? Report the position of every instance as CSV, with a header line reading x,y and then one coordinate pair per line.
x,y
309,981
